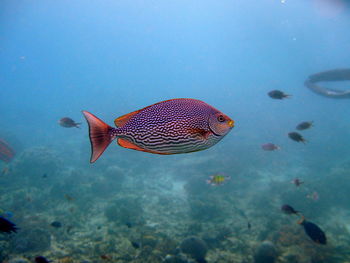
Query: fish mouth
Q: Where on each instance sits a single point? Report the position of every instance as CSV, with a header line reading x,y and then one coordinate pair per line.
x,y
231,123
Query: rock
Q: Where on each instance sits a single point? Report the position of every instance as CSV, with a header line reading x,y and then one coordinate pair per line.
x,y
266,253
18,260
194,247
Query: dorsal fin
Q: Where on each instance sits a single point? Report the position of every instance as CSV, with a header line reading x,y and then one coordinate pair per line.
x,y
120,121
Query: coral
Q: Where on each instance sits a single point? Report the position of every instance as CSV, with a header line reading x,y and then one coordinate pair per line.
x,y
18,260
149,240
167,246
195,247
202,210
35,162
124,211
266,253
30,240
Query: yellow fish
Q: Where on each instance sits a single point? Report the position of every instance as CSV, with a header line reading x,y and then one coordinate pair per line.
x,y
218,179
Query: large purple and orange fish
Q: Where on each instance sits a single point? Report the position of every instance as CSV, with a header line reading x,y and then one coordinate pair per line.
x,y
168,127
6,153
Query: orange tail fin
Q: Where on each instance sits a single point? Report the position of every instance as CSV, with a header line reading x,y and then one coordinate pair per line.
x,y
100,135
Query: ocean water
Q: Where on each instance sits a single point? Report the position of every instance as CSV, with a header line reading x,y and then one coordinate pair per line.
x,y
110,58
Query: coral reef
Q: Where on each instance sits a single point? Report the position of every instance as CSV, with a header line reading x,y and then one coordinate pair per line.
x,y
194,247
265,253
30,240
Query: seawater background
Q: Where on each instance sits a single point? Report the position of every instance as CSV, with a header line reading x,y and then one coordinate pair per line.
x,y
113,57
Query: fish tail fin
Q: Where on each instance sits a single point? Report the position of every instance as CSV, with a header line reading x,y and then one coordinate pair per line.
x,y
77,124
301,220
99,134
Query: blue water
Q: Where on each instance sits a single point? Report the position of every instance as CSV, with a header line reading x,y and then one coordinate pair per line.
x,y
113,57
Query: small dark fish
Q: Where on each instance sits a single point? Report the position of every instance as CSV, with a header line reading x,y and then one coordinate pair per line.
x,y
44,176
249,226
277,94
7,226
296,137
68,123
56,224
135,244
106,257
270,147
68,197
304,125
69,228
5,170
41,259
297,182
314,231
287,209
128,224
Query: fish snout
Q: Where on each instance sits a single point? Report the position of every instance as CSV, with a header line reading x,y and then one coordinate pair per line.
x,y
231,123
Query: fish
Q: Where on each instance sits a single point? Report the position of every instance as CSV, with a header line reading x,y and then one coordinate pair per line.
x,y
69,228
218,179
296,137
56,224
277,94
106,257
8,214
314,196
68,123
304,125
297,182
173,126
68,197
313,231
287,209
5,170
6,226
270,147
6,152
41,259
135,244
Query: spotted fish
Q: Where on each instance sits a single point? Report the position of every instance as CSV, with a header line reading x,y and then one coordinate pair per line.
x,y
168,127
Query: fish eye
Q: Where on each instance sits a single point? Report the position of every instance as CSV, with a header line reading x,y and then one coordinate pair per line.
x,y
221,118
